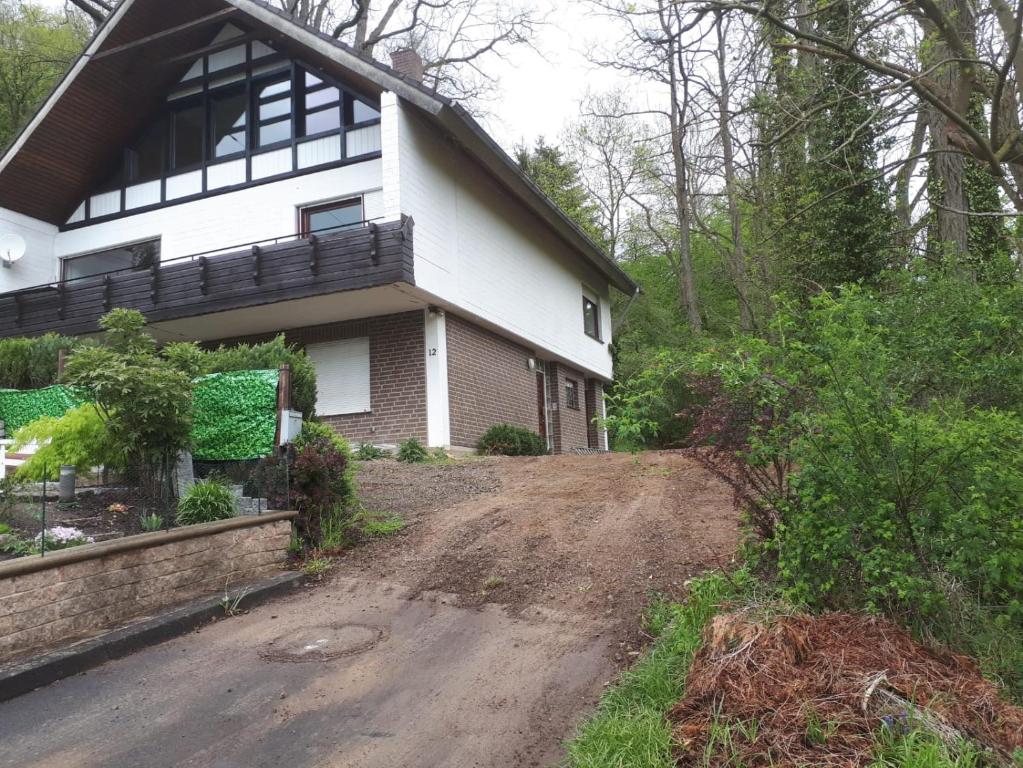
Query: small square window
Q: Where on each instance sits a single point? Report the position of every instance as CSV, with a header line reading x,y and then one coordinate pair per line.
x,y
571,394
591,317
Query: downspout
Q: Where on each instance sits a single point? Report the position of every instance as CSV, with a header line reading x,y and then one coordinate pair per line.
x,y
616,324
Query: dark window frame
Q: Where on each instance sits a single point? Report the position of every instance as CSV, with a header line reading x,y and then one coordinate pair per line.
x,y
572,394
307,211
155,258
587,303
293,71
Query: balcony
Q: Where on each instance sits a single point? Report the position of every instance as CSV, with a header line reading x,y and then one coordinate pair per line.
x,y
365,256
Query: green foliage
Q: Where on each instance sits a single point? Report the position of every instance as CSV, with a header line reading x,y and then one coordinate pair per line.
x,y
270,355
32,363
630,727
20,408
507,440
315,431
234,415
79,439
560,180
880,438
370,452
412,452
36,47
920,749
151,523
145,401
206,502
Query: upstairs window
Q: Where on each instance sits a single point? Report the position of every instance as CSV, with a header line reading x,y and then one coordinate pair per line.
x,y
591,316
122,259
332,217
187,136
228,117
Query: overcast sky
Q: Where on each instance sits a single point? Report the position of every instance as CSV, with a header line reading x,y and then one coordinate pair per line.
x,y
540,90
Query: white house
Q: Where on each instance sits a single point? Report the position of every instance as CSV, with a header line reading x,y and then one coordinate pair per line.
x,y
235,175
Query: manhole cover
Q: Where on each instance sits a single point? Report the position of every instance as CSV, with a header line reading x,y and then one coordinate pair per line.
x,y
322,643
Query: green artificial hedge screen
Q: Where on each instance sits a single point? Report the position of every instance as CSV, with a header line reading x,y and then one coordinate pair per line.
x,y
234,414
20,407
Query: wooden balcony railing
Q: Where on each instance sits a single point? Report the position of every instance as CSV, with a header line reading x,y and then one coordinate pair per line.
x,y
362,257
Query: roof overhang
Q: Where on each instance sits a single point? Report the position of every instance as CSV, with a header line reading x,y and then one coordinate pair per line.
x,y
113,88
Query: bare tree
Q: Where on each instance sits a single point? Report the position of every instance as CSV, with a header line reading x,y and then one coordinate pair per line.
x,y
454,37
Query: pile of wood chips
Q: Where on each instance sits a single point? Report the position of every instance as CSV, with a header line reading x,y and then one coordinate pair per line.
x,y
816,690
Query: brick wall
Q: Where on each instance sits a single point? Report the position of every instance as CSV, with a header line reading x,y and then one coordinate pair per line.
x,y
73,593
397,375
489,382
569,424
594,396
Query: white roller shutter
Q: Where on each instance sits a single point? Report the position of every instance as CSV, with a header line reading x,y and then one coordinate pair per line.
x,y
342,376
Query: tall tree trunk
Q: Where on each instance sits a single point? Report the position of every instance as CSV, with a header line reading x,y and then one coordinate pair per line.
x,y
687,279
737,262
953,82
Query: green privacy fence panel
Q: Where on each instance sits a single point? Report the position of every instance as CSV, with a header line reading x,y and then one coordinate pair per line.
x,y
235,415
20,407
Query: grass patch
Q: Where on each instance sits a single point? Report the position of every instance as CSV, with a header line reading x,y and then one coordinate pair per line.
x,y
377,525
922,750
629,729
315,566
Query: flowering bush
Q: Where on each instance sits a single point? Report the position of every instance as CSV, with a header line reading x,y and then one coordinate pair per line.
x,y
62,537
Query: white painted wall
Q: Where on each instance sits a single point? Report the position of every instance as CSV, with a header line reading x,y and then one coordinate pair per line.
x,y
479,249
231,219
37,266
438,413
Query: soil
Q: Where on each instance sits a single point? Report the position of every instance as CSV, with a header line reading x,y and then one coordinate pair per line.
x,y
593,535
477,637
820,688
101,515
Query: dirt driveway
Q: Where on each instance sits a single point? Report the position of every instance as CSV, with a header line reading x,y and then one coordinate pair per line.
x,y
477,637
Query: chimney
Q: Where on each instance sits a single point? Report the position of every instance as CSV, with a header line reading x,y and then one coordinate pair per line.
x,y
408,63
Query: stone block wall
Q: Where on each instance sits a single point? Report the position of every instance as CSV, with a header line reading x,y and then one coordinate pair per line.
x,y
49,602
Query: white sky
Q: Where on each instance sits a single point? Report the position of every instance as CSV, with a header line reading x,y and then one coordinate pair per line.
x,y
540,90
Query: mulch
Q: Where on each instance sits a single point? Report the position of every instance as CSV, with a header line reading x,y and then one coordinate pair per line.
x,y
820,688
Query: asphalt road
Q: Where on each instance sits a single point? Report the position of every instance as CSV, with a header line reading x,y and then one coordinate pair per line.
x,y
350,673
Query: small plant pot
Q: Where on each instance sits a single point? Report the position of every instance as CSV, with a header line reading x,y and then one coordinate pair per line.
x,y
66,487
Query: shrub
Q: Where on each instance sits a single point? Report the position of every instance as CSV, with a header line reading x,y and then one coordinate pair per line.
x,y
145,402
370,452
506,440
312,431
32,363
79,438
206,502
412,452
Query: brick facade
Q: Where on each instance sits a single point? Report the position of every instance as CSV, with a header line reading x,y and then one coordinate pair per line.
x,y
489,382
397,375
569,423
595,436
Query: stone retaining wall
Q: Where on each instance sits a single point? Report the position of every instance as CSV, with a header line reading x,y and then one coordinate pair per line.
x,y
49,601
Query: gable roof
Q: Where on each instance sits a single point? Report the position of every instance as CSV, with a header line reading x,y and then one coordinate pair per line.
x,y
134,59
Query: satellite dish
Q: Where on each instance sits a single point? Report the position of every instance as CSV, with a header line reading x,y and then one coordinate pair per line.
x,y
12,248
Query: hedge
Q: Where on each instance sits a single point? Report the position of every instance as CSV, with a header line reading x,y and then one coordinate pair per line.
x,y
234,415
21,407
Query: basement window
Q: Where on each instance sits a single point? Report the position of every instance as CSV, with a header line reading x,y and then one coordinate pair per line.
x,y
572,394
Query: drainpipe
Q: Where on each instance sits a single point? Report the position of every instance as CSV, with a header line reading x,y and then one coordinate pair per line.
x,y
616,324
